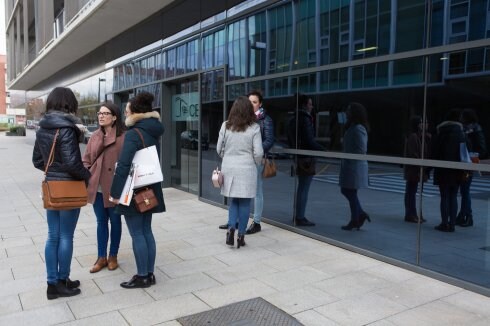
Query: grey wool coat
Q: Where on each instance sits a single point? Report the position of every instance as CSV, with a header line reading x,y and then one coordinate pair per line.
x,y
354,173
241,152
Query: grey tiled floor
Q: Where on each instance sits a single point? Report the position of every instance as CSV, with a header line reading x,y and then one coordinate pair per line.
x,y
317,283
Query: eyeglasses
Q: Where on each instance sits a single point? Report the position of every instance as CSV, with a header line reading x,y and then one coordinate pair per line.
x,y
105,114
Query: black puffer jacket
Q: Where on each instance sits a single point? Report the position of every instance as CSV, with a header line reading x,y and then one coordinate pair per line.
x,y
266,130
67,164
306,132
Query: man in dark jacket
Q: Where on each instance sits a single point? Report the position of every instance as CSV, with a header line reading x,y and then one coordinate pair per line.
x,y
301,135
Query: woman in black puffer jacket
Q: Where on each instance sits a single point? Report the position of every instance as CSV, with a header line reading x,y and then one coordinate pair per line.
x,y
61,107
141,117
446,147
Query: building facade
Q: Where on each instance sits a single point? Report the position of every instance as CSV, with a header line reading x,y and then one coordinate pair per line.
x,y
399,58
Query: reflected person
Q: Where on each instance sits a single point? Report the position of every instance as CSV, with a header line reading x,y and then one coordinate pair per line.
x,y
354,173
303,137
447,147
475,140
411,173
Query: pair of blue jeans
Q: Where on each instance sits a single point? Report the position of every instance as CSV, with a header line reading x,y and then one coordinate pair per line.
x,y
239,210
464,189
304,183
59,246
259,197
104,215
410,199
144,246
449,203
354,204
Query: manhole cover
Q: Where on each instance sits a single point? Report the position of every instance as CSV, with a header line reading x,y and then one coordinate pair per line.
x,y
253,312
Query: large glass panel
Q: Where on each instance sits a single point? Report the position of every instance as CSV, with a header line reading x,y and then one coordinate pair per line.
x,y
258,43
237,50
305,46
410,13
464,253
212,87
280,38
185,108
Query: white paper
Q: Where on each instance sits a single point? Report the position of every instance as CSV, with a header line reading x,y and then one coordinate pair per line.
x,y
127,192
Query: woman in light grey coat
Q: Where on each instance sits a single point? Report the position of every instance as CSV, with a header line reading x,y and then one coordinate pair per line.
x,y
240,146
354,173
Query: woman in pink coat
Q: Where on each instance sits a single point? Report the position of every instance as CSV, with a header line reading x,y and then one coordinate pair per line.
x,y
100,157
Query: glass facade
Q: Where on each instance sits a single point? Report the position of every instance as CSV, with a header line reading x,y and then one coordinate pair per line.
x,y
398,58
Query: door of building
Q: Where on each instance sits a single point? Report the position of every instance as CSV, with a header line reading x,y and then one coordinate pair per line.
x,y
182,98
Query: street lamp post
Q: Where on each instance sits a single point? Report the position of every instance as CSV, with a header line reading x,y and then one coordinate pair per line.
x,y
98,92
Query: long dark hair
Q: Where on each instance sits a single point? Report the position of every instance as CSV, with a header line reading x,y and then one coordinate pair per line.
x,y
356,114
62,99
118,124
241,115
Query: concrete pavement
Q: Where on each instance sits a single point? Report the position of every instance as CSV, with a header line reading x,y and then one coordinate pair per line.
x,y
317,283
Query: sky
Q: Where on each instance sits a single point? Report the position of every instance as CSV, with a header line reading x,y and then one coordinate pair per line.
x,y
3,49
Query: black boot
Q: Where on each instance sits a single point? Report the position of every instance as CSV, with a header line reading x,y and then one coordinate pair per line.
x,y
240,241
460,219
468,221
137,282
352,225
70,284
60,290
230,237
152,278
362,218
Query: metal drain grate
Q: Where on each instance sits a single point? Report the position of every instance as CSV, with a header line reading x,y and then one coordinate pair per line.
x,y
253,312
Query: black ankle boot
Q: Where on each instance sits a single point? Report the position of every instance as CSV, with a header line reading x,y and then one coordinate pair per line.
x,y
240,241
60,290
230,237
468,221
71,284
351,225
460,219
152,278
137,282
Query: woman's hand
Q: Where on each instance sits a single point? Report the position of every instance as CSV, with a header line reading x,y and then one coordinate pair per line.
x,y
113,200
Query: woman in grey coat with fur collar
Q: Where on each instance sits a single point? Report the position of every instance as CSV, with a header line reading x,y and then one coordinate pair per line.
x,y
240,146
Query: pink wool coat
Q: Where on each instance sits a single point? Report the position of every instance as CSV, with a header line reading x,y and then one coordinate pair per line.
x,y
102,166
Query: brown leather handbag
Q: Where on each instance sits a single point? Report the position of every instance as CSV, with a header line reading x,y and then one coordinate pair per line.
x,y
145,199
62,194
269,168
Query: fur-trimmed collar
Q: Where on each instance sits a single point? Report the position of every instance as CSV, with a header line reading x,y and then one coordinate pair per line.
x,y
135,117
450,123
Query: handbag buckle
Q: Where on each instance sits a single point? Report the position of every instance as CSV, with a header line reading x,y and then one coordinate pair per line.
x,y
147,202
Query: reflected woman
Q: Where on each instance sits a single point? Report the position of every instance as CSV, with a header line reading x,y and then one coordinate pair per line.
x,y
354,173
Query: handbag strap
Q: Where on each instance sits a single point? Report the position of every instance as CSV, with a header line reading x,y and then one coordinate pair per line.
x,y
51,153
141,136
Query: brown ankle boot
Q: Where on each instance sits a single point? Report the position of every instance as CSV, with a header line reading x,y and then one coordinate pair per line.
x,y
112,263
99,264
